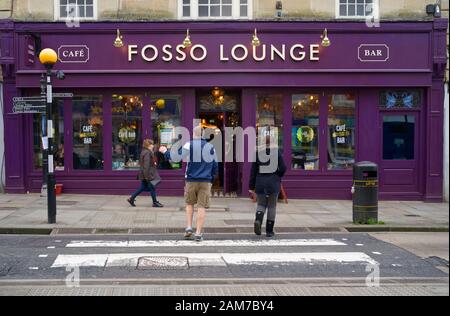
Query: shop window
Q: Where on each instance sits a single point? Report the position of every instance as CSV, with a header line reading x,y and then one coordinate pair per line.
x,y
73,9
401,99
398,137
269,116
357,8
87,118
305,131
166,116
214,9
126,131
341,131
58,132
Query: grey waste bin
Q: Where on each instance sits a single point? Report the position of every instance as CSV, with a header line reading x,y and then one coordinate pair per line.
x,y
365,196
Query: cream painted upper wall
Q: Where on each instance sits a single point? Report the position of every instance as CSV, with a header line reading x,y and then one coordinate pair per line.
x,y
167,9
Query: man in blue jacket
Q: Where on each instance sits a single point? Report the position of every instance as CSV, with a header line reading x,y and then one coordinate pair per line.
x,y
201,171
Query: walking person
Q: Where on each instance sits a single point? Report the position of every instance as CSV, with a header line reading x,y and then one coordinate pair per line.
x,y
200,174
148,174
265,182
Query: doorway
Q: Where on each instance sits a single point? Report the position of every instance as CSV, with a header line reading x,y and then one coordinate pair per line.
x,y
217,114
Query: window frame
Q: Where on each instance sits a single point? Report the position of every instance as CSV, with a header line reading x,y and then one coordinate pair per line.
x,y
375,12
235,9
57,16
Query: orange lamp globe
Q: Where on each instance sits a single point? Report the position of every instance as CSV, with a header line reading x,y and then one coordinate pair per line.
x,y
48,57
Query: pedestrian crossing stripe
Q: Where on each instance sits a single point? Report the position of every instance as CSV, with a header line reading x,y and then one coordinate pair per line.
x,y
206,243
214,259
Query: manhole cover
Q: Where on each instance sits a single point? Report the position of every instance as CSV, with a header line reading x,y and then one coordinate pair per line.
x,y
163,263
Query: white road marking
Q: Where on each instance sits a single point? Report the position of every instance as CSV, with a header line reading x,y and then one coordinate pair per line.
x,y
43,256
213,259
359,245
376,253
33,268
51,247
206,243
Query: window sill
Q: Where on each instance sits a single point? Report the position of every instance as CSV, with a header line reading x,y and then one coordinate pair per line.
x,y
356,18
74,19
214,19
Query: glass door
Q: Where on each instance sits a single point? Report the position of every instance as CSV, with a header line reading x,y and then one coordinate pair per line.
x,y
399,167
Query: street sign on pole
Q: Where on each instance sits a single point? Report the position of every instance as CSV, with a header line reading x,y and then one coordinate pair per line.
x,y
63,95
29,105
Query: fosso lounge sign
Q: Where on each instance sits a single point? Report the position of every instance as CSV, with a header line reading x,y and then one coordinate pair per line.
x,y
238,53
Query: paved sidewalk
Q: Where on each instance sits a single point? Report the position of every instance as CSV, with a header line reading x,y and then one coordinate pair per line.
x,y
99,214
229,290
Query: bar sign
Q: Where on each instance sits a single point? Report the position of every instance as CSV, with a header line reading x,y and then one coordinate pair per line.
x,y
373,53
30,51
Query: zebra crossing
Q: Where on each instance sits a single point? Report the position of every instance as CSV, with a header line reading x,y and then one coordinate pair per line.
x,y
211,253
290,256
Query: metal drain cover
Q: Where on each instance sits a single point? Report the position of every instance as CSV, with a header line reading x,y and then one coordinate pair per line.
x,y
163,263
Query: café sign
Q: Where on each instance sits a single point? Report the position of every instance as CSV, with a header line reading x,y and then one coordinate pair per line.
x,y
73,54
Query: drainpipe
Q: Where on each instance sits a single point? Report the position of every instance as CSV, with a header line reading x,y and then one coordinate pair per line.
x,y
446,143
2,143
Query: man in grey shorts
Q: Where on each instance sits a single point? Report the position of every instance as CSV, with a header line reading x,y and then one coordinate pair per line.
x,y
200,175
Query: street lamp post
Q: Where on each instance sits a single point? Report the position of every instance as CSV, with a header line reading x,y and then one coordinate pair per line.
x,y
48,58
43,126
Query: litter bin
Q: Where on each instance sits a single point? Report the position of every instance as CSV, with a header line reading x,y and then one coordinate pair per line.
x,y
365,192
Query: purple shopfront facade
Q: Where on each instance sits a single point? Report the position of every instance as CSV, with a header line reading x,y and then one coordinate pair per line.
x,y
363,63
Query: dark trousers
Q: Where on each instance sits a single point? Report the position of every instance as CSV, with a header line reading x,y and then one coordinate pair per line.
x,y
268,203
145,187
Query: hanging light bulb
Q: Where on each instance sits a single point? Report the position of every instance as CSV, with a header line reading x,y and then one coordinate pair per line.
x,y
118,42
216,92
325,40
187,41
256,42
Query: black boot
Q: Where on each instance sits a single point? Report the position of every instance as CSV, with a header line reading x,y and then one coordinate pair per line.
x,y
131,201
269,229
258,222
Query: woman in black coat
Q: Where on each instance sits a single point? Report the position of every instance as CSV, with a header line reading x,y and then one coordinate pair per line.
x,y
265,181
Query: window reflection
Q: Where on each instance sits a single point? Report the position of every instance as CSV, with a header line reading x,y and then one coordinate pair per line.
x,y
398,137
87,133
269,116
126,131
341,131
166,116
58,132
305,131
